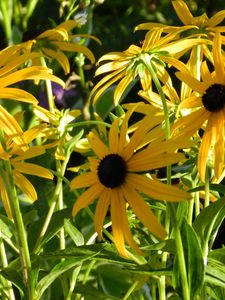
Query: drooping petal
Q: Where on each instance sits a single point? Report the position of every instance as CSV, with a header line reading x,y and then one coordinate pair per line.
x,y
122,86
5,198
219,144
218,59
143,211
87,197
25,185
33,73
32,169
60,57
117,215
10,126
101,211
156,189
17,94
72,47
83,180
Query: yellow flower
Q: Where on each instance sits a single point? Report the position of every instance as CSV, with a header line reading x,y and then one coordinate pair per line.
x,y
208,113
117,177
53,42
10,61
201,25
17,157
142,62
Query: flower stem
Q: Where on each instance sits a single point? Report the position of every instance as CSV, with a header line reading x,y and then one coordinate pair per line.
x,y
20,229
48,84
4,260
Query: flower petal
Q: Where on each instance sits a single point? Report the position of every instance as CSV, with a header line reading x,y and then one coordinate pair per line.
x,y
101,210
97,145
117,214
83,180
156,189
32,169
114,136
25,185
143,211
87,197
183,12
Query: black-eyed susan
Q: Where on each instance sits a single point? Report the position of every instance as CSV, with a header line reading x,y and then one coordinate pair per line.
x,y
118,178
9,150
208,112
53,42
142,63
201,25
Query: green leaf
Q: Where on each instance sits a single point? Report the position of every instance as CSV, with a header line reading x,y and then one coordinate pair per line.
x,y
209,220
193,260
15,277
215,273
87,290
74,233
57,271
56,223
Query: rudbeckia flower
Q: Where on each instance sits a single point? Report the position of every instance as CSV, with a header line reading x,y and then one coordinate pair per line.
x,y
53,42
17,157
208,106
140,62
117,178
197,25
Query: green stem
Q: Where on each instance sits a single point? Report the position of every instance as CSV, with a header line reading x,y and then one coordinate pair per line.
x,y
61,204
131,289
4,260
180,255
20,229
54,201
162,281
7,18
49,92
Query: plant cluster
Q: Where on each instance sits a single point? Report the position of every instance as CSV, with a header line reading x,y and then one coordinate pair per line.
x,y
113,189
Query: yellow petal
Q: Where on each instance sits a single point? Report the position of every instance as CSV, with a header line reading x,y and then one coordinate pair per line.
x,y
114,136
156,189
218,59
117,212
121,87
83,180
101,211
143,211
59,57
87,197
5,199
183,12
219,166
17,94
72,47
25,185
10,126
216,19
196,85
34,72
29,153
97,145
32,169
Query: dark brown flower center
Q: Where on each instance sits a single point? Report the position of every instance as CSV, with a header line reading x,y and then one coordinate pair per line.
x,y
214,97
112,171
